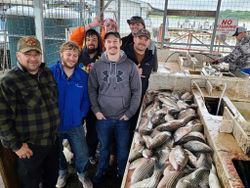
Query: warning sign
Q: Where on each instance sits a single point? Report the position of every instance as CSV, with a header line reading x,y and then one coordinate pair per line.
x,y
226,26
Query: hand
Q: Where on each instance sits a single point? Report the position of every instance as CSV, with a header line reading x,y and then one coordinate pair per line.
x,y
139,69
124,117
215,61
24,151
100,116
96,22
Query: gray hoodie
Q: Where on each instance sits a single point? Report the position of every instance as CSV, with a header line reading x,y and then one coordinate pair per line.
x,y
115,87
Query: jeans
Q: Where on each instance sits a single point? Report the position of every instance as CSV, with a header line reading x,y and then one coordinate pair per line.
x,y
106,129
91,136
77,141
247,71
41,167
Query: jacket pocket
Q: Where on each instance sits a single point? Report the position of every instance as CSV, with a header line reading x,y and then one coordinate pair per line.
x,y
111,105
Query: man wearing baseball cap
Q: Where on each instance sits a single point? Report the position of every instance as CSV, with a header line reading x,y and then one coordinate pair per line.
x,y
114,92
139,53
137,23
239,58
29,116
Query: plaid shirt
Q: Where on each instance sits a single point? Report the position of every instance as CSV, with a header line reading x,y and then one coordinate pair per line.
x,y
28,108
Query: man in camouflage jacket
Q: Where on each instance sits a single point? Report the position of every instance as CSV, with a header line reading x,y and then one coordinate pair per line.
x,y
239,58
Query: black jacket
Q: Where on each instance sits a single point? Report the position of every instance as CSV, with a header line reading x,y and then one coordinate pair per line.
x,y
147,65
127,40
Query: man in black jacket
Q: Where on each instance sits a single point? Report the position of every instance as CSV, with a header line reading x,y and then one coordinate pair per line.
x,y
137,23
144,59
90,54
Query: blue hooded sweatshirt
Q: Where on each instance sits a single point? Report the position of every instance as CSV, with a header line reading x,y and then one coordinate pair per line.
x,y
73,96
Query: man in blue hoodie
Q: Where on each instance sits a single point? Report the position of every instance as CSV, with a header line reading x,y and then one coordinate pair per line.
x,y
72,83
115,93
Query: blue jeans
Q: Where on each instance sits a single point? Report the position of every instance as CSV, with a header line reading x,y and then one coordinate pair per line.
x,y
77,140
247,71
120,129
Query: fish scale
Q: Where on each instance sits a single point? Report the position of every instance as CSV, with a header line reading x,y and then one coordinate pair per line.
x,y
158,140
170,178
152,181
193,179
178,158
196,146
143,171
194,135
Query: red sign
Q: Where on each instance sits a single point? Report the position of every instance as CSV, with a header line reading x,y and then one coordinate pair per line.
x,y
226,26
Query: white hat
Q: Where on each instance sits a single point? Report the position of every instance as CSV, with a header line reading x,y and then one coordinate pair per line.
x,y
239,30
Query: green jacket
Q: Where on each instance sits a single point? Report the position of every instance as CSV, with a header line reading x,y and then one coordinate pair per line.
x,y
28,108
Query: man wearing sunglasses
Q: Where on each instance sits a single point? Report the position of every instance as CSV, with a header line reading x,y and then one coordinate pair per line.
x,y
239,58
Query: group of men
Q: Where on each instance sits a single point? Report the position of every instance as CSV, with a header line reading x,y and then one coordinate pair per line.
x,y
40,106
101,82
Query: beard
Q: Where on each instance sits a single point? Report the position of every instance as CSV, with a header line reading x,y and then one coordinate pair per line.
x,y
141,48
68,65
92,50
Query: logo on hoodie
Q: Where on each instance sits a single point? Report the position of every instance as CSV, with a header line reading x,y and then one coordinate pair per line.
x,y
107,76
119,76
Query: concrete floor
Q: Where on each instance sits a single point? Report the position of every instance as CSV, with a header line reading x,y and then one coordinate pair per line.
x,y
110,180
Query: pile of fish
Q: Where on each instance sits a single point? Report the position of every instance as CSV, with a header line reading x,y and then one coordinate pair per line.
x,y
169,149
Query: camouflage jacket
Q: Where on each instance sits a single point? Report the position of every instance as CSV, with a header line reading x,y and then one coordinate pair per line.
x,y
239,58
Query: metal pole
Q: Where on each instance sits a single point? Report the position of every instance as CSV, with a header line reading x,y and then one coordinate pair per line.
x,y
98,10
215,25
101,9
119,12
164,22
39,24
82,11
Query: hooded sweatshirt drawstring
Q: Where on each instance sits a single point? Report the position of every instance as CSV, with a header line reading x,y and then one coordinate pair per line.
x,y
116,74
110,69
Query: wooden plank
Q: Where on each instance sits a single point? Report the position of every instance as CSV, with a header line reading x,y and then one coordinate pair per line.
x,y
8,167
240,130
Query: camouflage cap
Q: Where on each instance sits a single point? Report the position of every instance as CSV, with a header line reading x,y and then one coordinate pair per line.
x,y
136,19
28,43
143,32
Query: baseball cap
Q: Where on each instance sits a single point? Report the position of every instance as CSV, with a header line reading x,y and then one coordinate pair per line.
x,y
116,34
143,32
28,43
136,19
239,30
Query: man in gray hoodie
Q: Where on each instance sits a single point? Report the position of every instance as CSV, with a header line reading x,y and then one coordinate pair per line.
x,y
115,94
